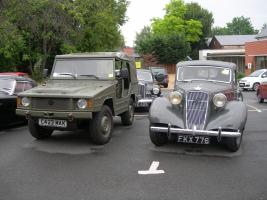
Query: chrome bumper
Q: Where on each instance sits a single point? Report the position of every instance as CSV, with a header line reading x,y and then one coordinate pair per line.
x,y
218,133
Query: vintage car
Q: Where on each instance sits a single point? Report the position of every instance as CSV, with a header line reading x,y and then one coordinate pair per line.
x,y
84,91
253,81
205,105
147,89
10,86
262,92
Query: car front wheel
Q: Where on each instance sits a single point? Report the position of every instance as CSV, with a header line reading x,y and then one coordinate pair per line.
x,y
37,131
233,144
158,138
255,86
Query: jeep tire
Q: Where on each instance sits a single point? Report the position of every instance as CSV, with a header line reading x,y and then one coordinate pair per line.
x,y
101,126
37,131
127,118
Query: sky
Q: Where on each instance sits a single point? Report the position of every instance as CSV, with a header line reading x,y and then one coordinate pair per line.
x,y
140,13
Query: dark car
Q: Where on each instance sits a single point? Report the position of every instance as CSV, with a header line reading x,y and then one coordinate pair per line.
x,y
206,105
262,92
147,89
160,70
10,86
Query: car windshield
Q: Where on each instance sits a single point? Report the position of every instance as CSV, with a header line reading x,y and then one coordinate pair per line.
x,y
83,68
256,73
144,76
208,73
7,85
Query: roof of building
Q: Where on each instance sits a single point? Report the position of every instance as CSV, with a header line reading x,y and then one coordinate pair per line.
x,y
234,40
262,34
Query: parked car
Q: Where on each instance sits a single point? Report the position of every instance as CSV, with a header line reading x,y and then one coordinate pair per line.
x,y
262,92
14,74
205,105
10,86
84,90
253,81
147,89
160,70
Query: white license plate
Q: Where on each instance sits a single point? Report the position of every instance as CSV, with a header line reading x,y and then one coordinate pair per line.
x,y
53,123
241,84
193,139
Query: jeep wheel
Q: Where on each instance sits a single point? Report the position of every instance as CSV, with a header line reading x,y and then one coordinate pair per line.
x,y
101,126
127,118
233,144
158,138
37,131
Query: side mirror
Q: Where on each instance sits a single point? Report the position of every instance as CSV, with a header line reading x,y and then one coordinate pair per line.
x,y
159,77
124,73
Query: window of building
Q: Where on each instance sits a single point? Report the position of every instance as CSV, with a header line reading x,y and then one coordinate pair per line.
x,y
261,62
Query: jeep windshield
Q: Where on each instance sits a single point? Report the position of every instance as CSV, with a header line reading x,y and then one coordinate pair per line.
x,y
205,73
83,68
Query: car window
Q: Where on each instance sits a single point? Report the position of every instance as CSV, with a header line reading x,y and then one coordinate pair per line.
x,y
264,75
144,76
189,73
83,68
256,73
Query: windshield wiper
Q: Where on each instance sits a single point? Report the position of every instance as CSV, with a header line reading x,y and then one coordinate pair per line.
x,y
90,75
68,74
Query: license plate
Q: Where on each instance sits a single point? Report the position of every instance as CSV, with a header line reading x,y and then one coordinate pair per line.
x,y
53,123
193,139
241,84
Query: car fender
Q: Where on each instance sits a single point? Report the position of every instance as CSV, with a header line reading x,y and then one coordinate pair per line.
x,y
163,112
232,117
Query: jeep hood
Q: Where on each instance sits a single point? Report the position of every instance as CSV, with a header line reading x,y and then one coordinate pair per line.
x,y
76,88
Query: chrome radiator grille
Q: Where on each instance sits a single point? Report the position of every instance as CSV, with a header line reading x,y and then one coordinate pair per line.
x,y
196,109
142,90
52,103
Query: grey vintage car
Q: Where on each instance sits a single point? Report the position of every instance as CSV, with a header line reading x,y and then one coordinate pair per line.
x,y
148,90
84,91
206,105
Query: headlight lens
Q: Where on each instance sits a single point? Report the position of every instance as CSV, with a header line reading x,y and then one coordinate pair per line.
x,y
155,90
25,101
82,103
219,100
176,97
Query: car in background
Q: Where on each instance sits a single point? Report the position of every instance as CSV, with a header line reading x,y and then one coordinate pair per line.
x,y
148,90
253,81
262,92
160,70
205,106
14,74
10,86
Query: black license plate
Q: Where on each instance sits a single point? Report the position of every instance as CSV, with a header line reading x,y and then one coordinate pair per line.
x,y
193,139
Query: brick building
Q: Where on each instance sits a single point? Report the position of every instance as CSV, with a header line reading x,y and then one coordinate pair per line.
x,y
256,53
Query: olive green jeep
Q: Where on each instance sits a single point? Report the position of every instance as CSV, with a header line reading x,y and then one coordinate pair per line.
x,y
84,91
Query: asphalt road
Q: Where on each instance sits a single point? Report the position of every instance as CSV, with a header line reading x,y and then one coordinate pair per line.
x,y
69,167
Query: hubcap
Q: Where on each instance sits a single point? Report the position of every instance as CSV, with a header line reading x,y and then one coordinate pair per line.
x,y
106,125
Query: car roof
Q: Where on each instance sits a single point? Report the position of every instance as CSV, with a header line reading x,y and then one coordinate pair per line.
x,y
213,63
118,55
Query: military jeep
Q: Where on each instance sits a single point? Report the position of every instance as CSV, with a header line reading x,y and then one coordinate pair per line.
x,y
84,91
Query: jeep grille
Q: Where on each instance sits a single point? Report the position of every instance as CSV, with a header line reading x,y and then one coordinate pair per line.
x,y
52,104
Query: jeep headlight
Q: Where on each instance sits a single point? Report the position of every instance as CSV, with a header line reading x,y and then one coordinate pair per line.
x,y
25,101
82,103
155,90
176,98
219,100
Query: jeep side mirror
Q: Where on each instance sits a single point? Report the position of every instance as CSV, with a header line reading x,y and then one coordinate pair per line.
x,y
124,73
159,77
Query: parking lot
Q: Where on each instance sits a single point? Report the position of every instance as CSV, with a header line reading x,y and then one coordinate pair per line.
x,y
69,166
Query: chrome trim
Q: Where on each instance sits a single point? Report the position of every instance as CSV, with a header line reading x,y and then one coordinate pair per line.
x,y
145,101
195,132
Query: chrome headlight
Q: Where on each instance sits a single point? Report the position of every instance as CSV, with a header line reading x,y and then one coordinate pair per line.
x,y
176,97
25,101
155,90
82,103
219,100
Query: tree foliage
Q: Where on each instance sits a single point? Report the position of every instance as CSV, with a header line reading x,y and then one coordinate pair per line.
x,y
238,26
34,31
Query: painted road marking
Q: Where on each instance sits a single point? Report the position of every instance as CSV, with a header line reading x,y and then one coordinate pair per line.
x,y
256,109
152,170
